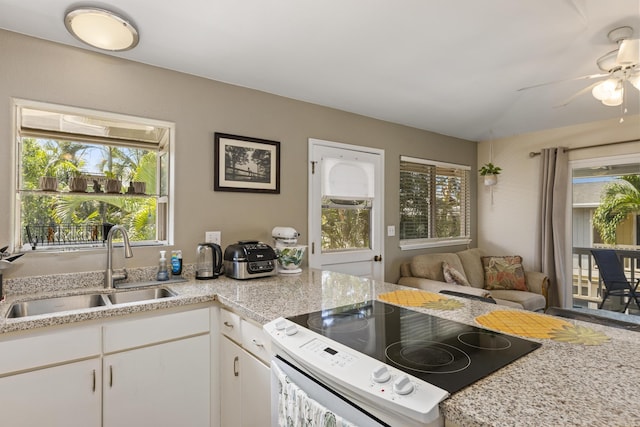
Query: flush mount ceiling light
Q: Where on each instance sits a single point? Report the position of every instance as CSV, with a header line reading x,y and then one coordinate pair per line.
x,y
101,28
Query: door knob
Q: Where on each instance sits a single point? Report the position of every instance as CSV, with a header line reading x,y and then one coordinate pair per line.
x,y
377,258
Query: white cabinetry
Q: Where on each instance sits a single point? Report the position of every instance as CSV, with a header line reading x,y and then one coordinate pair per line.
x,y
164,383
143,370
58,388
244,373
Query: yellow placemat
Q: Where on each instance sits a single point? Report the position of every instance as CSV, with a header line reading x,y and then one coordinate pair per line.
x,y
533,325
409,298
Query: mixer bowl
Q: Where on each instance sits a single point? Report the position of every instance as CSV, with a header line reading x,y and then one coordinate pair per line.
x,y
290,257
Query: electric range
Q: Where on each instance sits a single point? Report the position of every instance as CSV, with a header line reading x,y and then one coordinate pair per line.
x,y
391,365
442,352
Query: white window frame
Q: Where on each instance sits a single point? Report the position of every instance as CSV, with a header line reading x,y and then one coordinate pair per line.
x,y
411,244
168,198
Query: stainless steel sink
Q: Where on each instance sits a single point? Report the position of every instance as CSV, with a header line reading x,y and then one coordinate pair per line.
x,y
83,302
121,297
54,305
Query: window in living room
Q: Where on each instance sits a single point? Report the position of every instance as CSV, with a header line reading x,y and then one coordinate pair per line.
x,y
435,203
79,172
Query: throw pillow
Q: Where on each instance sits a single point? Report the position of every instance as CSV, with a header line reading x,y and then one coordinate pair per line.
x,y
451,275
504,272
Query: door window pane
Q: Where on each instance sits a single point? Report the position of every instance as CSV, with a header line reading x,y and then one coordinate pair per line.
x,y
346,225
605,208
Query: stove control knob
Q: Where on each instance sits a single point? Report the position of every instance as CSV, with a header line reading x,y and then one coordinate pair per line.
x,y
381,374
402,385
291,330
281,324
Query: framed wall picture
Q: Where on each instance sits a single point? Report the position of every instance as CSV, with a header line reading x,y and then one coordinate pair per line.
x,y
246,164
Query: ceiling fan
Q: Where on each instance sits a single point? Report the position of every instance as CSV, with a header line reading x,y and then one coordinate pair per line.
x,y
621,67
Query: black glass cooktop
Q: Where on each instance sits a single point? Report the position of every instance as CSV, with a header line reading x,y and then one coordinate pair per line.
x,y
445,353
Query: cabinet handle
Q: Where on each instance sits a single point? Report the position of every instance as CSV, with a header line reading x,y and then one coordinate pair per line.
x,y
257,343
228,325
110,376
93,387
236,371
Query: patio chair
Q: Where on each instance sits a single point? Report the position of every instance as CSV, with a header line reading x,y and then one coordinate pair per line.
x,y
613,277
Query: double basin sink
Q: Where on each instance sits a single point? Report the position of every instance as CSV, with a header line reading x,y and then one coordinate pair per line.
x,y
80,302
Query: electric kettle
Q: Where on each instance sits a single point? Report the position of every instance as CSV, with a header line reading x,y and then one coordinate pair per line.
x,y
209,261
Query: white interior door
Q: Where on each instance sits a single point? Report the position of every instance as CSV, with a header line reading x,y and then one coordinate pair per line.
x,y
346,208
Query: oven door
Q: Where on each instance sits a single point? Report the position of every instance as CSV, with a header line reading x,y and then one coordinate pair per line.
x,y
296,398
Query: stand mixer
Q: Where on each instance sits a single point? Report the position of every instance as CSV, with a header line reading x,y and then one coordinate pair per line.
x,y
287,249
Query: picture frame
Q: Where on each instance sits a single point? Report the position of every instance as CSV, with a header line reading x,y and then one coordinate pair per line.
x,y
246,164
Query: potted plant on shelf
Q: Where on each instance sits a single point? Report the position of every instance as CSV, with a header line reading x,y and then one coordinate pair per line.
x,y
490,173
49,181
136,186
77,182
113,184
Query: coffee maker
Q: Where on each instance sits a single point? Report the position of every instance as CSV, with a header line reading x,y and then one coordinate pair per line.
x,y
209,261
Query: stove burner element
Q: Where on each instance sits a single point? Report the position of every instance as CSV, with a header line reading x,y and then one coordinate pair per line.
x,y
338,323
484,340
429,357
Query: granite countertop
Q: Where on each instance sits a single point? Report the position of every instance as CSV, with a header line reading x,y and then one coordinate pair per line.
x,y
560,383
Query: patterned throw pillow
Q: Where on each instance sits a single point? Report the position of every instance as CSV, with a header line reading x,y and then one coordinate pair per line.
x,y
451,275
504,272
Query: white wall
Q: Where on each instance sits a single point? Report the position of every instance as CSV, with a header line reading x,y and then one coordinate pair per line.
x,y
508,225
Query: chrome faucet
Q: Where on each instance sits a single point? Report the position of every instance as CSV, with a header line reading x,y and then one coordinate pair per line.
x,y
109,276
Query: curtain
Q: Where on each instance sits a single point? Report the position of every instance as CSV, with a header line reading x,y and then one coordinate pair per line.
x,y
550,244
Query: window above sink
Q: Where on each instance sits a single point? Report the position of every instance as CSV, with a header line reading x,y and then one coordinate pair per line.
x,y
81,171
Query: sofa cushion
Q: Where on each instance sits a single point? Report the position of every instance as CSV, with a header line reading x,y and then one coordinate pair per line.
x,y
471,260
405,269
429,266
453,276
504,272
528,300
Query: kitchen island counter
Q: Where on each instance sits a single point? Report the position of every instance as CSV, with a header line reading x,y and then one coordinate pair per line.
x,y
559,384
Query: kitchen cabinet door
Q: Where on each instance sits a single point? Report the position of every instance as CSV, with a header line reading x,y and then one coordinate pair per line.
x,y
244,387
65,396
256,391
161,385
230,386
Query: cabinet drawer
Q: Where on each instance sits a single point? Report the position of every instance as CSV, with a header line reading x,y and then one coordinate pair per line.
x,y
48,348
166,327
230,325
255,341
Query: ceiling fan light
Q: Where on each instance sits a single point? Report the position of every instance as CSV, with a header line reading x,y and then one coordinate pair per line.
x,y
613,102
604,90
629,52
615,99
635,80
101,28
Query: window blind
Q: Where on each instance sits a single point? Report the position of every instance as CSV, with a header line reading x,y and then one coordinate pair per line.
x,y
435,200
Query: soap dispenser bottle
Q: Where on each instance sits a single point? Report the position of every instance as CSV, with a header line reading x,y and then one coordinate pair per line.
x,y
163,270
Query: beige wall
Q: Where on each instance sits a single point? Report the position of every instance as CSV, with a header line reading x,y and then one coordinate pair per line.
x,y
42,71
508,224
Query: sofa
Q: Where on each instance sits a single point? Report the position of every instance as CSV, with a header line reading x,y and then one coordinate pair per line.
x,y
428,272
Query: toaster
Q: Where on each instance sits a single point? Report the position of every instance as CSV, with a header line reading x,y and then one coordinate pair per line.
x,y
249,259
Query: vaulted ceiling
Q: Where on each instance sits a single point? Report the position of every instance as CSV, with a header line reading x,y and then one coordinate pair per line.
x,y
449,66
